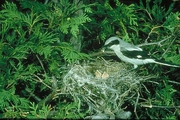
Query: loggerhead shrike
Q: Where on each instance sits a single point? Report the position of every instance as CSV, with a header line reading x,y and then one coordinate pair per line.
x,y
132,54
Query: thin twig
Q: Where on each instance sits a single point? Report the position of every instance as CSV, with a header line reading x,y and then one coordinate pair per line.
x,y
54,83
154,82
168,48
101,53
148,14
151,32
40,80
155,106
145,88
154,43
174,82
104,60
135,106
33,95
41,63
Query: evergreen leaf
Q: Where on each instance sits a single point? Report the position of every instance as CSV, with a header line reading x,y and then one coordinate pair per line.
x,y
33,5
70,54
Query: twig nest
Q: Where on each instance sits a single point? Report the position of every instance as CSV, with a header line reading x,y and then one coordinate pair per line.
x,y
103,85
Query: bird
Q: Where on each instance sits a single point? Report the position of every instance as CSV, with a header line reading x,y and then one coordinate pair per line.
x,y
133,54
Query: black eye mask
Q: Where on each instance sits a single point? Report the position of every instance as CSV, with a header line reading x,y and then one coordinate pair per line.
x,y
115,42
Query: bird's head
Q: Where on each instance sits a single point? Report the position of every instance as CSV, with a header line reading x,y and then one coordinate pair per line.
x,y
112,43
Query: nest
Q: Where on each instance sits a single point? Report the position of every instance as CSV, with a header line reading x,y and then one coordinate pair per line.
x,y
104,86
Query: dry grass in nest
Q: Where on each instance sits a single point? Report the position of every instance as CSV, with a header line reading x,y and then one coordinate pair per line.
x,y
104,86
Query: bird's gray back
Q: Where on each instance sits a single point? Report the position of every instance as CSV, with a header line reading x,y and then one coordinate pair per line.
x,y
125,46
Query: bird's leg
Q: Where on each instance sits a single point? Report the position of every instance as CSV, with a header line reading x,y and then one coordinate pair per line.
x,y
135,66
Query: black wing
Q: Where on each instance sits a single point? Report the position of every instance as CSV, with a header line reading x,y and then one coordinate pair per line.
x,y
136,54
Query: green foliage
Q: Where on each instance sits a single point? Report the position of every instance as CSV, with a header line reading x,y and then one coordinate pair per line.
x,y
174,59
161,102
69,54
172,23
69,111
157,12
11,13
73,24
31,52
113,19
37,7
68,16
36,112
36,42
161,24
165,95
143,23
12,105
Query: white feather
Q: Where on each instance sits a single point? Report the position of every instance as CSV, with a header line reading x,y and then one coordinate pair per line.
x,y
124,46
